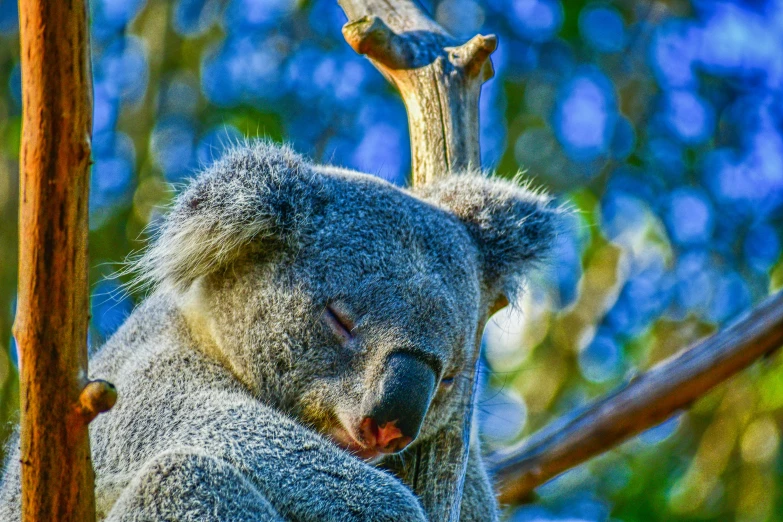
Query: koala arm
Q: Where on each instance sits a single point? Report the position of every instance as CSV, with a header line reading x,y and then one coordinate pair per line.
x,y
302,475
243,461
187,485
478,496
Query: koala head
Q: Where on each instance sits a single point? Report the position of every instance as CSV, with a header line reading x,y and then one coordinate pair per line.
x,y
349,303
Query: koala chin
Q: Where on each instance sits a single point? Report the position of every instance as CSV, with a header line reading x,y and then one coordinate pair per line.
x,y
303,323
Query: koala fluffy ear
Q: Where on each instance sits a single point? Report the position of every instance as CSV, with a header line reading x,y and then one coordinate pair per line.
x,y
513,226
258,196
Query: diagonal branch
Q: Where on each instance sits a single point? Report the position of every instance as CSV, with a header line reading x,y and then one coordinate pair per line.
x,y
440,80
644,402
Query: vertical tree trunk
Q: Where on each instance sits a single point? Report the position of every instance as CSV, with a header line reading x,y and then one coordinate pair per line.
x,y
440,81
57,401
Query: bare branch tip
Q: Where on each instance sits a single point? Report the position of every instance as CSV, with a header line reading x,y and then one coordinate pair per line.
x,y
473,56
357,31
486,42
369,35
97,397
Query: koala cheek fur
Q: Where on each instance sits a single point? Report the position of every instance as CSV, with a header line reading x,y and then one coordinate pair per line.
x,y
300,324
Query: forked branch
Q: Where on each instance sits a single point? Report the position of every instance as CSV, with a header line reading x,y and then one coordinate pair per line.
x,y
646,401
438,77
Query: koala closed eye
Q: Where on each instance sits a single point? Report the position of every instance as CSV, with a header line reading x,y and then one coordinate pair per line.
x,y
340,322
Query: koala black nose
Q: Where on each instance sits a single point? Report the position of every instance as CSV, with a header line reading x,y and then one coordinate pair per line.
x,y
396,408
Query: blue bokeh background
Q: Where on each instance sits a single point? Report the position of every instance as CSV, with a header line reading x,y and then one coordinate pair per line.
x,y
660,122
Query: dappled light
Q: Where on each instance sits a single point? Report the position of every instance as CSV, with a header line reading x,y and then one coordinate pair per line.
x,y
659,123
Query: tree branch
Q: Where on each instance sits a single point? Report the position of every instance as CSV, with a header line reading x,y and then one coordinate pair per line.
x,y
438,77
440,80
57,401
646,401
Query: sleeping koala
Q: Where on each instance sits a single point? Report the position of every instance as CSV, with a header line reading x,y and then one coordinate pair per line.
x,y
306,321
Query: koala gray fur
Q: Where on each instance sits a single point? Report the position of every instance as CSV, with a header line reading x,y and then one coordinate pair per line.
x,y
281,292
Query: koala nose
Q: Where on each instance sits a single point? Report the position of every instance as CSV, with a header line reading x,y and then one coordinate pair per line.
x,y
398,405
387,438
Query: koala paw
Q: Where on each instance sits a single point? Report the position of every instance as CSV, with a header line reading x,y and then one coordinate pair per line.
x,y
395,503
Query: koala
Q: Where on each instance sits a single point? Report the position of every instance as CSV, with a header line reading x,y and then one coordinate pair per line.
x,y
304,323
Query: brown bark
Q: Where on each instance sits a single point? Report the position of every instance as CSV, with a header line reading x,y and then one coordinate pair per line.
x,y
57,401
646,401
440,80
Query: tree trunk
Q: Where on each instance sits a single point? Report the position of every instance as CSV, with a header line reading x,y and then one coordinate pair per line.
x,y
440,81
57,401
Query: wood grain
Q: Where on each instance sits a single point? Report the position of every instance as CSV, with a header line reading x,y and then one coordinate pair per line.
x,y
52,314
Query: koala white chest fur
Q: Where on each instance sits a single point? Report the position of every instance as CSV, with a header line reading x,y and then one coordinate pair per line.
x,y
305,322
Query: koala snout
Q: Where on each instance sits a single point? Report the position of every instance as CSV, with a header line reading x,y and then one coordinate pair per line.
x,y
395,410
